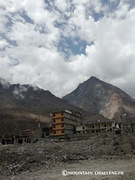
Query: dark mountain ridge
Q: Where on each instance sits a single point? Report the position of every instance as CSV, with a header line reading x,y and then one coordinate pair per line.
x,y
22,105
103,98
30,99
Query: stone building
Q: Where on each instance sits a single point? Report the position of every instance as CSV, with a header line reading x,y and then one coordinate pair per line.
x,y
32,135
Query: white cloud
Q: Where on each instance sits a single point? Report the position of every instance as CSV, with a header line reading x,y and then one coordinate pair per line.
x,y
31,32
3,43
4,83
61,5
18,91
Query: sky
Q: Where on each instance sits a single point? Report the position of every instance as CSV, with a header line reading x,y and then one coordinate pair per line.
x,y
57,44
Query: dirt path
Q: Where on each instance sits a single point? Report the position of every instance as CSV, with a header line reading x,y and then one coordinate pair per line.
x,y
126,166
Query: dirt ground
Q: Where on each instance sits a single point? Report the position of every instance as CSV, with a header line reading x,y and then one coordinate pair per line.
x,y
100,157
125,168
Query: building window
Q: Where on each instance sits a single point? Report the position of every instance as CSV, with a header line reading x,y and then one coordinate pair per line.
x,y
62,125
62,131
53,126
62,119
54,120
62,113
54,132
83,127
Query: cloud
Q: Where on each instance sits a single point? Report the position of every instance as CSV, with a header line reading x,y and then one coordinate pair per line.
x,y
19,91
61,5
58,44
4,83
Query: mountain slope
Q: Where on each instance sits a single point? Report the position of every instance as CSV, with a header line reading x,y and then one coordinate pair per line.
x,y
22,105
100,97
29,99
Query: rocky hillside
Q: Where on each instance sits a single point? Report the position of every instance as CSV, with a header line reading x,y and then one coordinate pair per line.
x,y
29,99
22,105
100,97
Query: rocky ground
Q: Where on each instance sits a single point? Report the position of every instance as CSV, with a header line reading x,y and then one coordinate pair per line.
x,y
46,160
124,166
